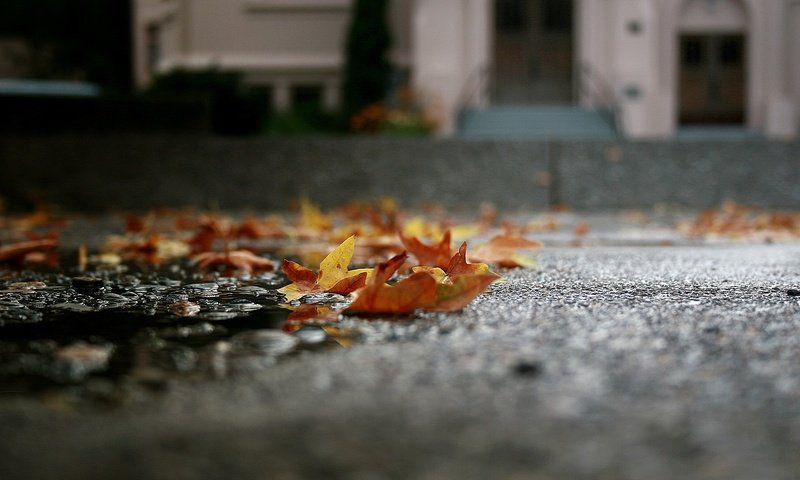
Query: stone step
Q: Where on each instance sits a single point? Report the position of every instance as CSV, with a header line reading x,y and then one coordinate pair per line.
x,y
536,122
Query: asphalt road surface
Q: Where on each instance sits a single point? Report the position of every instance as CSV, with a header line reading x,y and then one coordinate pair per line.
x,y
645,362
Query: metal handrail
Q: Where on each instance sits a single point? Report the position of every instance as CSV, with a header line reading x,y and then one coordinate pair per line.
x,y
475,87
600,93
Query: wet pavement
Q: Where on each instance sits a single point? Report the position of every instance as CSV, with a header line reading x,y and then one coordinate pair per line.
x,y
622,355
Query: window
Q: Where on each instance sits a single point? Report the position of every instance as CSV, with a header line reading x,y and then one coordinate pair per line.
x,y
730,51
693,52
510,16
557,15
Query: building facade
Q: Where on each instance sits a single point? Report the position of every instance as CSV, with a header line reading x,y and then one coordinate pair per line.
x,y
659,65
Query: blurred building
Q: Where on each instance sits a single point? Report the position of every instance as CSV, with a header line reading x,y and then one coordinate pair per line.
x,y
637,68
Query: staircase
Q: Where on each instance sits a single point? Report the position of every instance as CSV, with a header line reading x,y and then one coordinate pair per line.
x,y
567,121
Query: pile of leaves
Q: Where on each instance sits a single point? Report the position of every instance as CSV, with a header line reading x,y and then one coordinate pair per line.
x,y
407,262
735,221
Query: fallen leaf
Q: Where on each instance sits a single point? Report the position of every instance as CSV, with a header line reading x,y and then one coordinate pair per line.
x,y
254,229
152,248
428,288
460,290
17,252
503,251
312,217
458,265
138,223
243,260
437,255
581,229
208,230
333,275
421,227
409,294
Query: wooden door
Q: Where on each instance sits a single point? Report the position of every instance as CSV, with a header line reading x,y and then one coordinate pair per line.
x,y
712,79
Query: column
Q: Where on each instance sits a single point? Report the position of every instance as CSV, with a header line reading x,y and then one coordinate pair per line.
x,y
281,95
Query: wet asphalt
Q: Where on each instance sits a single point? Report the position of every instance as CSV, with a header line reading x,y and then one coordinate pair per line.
x,y
647,362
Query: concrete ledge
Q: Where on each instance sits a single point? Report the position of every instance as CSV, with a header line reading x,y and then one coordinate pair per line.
x,y
695,174
107,172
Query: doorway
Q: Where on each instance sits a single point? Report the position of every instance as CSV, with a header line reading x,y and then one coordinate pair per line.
x,y
712,79
533,52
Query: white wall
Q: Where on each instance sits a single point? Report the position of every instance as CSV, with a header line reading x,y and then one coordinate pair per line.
x,y
649,59
446,42
273,42
791,58
451,44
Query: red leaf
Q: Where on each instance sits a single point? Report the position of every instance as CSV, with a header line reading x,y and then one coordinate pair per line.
x,y
298,273
348,285
385,270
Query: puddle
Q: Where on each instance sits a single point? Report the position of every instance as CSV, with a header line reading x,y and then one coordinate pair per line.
x,y
107,336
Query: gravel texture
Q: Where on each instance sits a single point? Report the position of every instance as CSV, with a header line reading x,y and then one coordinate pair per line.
x,y
605,362
103,173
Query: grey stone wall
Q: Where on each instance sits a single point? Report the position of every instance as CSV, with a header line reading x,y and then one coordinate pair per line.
x,y
108,172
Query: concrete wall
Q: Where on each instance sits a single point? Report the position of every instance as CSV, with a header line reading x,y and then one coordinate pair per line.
x,y
95,173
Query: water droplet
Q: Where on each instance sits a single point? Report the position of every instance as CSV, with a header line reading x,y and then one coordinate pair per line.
x,y
264,342
324,298
252,290
244,306
74,307
218,315
26,285
311,335
74,362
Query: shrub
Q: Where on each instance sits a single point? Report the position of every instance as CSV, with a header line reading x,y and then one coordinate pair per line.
x,y
233,110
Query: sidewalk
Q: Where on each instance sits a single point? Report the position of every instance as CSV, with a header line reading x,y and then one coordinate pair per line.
x,y
605,362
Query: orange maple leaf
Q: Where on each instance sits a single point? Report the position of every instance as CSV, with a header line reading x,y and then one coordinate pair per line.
x,y
460,290
428,288
436,255
502,250
407,295
461,282
459,266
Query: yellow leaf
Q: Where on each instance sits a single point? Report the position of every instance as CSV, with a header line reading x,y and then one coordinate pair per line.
x,y
334,267
421,228
465,231
292,292
332,270
437,273
312,217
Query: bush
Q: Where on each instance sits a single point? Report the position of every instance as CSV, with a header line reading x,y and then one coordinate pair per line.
x,y
233,110
367,69
305,119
